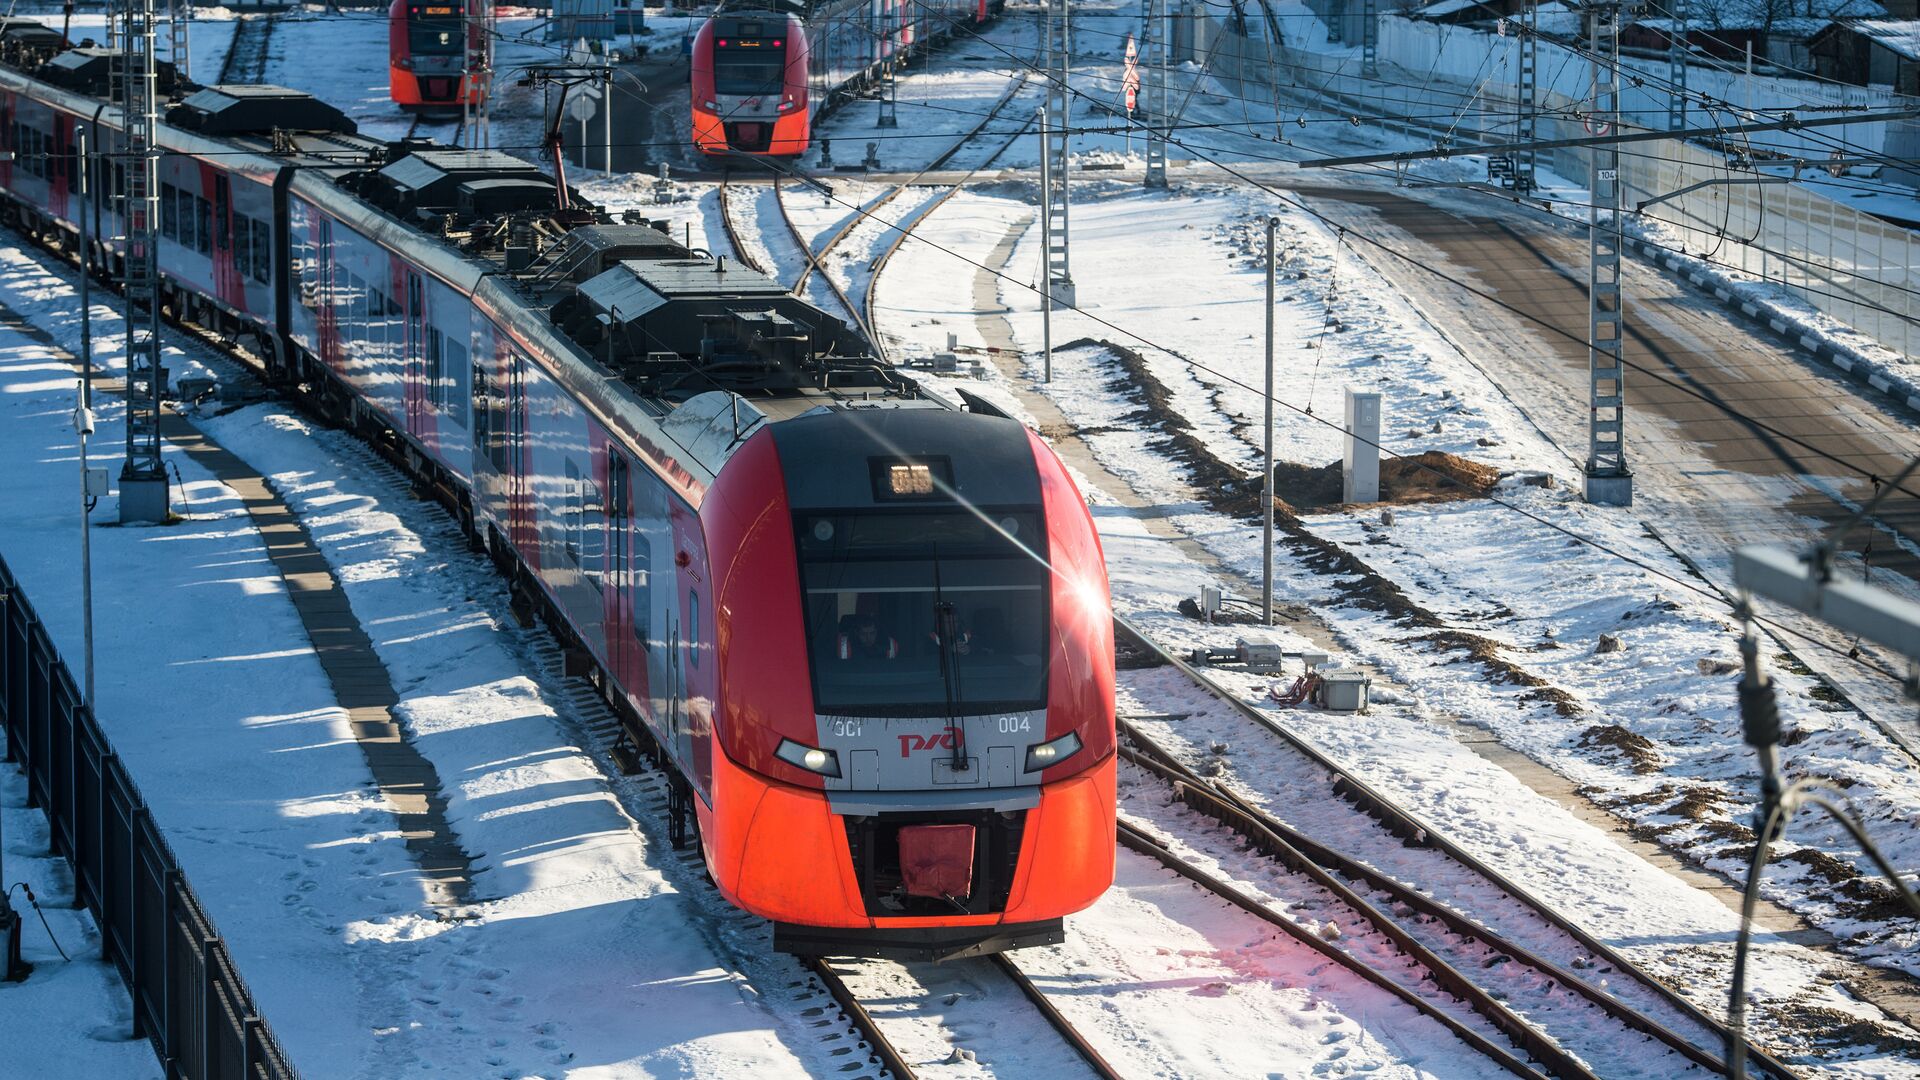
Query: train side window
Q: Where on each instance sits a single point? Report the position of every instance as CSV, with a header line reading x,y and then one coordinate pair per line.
x,y
169,216
203,226
262,268
482,412
242,245
453,395
647,521
693,628
570,527
436,375
593,534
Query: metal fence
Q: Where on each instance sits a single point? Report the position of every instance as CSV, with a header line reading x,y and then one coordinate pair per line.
x,y
188,1001
1855,267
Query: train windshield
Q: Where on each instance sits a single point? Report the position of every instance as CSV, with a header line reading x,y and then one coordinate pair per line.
x,y
434,31
748,72
908,610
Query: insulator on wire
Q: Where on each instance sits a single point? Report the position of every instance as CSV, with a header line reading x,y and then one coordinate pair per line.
x,y
1759,713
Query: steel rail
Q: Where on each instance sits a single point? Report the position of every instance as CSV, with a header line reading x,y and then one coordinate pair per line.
x,y
255,34
813,263
1415,833
901,232
872,208
1260,829
733,233
883,1050
1135,840
1060,1023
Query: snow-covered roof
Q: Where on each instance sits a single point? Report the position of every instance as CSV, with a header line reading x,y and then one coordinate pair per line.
x,y
1895,35
1810,15
1441,8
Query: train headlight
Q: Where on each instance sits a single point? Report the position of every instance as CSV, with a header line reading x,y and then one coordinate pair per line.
x,y
710,106
1048,754
811,758
787,106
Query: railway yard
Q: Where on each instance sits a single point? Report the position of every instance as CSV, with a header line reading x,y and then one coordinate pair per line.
x,y
396,800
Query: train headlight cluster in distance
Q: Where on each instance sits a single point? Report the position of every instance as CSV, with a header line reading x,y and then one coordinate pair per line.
x,y
1052,753
811,758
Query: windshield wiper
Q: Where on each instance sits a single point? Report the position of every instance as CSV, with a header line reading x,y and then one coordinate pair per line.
x,y
946,633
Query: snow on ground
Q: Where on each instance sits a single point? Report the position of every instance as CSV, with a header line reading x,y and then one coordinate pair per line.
x,y
72,1016
1204,304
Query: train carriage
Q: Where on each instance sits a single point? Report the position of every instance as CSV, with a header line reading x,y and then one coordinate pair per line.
x,y
719,500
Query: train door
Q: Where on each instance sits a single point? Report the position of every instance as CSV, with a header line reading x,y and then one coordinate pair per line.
x,y
414,359
679,789
618,605
519,484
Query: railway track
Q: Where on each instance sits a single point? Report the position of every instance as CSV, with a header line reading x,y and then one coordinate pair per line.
x,y
1472,957
859,313
1004,1048
246,59
813,263
435,126
740,253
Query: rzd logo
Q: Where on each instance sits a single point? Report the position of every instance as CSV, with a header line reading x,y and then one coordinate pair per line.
x,y
911,744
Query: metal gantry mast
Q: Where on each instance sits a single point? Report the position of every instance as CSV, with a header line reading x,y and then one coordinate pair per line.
x,y
1607,480
1156,47
1529,94
1060,119
179,35
1369,39
1677,65
143,477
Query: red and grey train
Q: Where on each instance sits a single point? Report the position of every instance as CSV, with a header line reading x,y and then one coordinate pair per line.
x,y
436,52
762,77
867,632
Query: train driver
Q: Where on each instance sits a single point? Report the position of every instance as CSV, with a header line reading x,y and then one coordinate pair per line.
x,y
861,639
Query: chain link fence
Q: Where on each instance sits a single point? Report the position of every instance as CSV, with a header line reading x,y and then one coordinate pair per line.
x,y
188,1001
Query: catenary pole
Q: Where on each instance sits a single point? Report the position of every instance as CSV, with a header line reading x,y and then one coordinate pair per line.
x,y
1046,249
1266,456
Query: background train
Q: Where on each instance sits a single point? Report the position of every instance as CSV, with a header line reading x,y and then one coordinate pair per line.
x,y
436,52
760,78
866,632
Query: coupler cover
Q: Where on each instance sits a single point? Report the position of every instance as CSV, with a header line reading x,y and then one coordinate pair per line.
x,y
937,860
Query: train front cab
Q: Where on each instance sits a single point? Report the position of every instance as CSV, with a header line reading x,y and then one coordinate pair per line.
x,y
428,46
838,806
749,86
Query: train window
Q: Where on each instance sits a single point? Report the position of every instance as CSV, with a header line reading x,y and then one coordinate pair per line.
x,y
570,527
693,629
749,72
261,268
169,216
435,374
905,607
242,245
434,37
482,411
202,226
453,395
593,534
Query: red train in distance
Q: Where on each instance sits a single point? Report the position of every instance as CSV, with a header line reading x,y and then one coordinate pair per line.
x,y
750,85
435,55
760,77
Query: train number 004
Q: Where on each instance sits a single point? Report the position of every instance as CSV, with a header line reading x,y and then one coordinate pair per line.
x,y
1012,724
